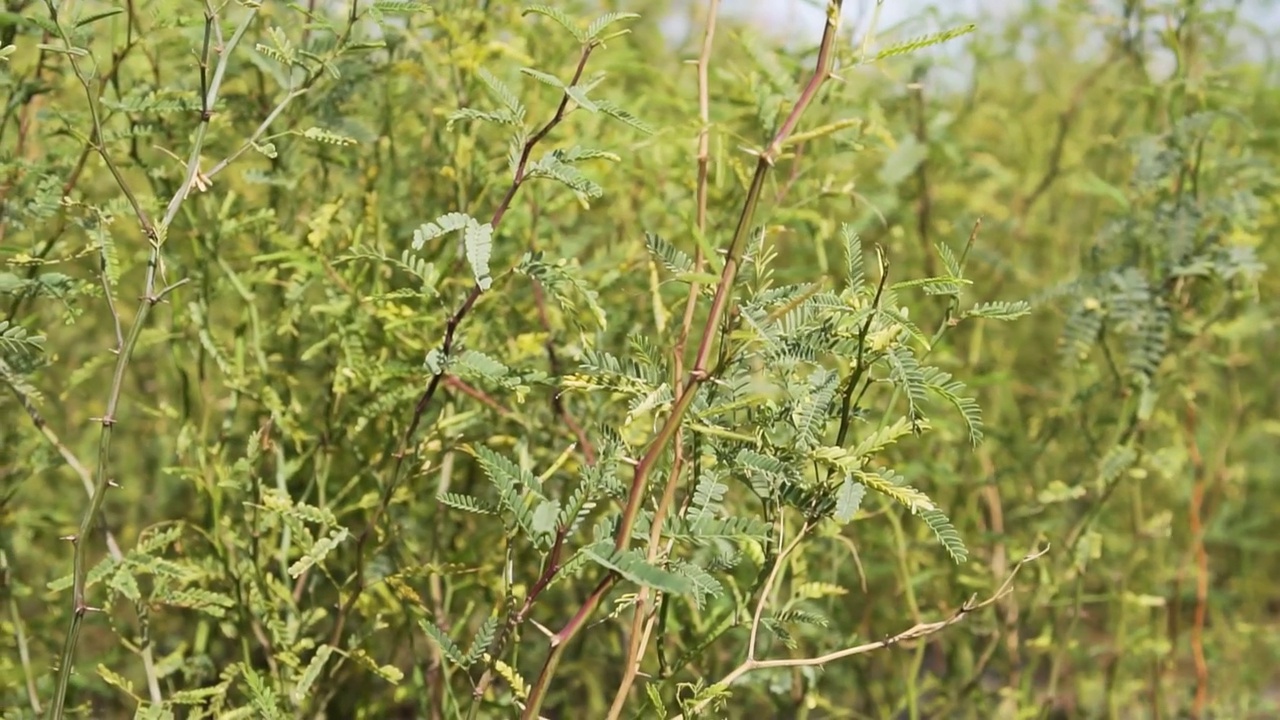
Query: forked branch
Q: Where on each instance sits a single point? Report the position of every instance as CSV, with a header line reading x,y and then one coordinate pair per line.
x,y
912,633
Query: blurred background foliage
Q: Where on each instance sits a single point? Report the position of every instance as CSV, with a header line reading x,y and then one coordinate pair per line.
x,y
1120,155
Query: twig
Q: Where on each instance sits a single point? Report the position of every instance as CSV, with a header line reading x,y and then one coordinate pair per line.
x,y
485,398
914,632
767,589
699,372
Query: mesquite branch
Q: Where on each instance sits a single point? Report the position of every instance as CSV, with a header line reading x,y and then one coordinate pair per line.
x,y
914,632
698,374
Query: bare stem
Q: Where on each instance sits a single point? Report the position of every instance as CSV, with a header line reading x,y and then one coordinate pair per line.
x,y
124,352
699,372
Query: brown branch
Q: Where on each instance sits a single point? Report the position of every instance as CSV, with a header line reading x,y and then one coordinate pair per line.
x,y
471,391
1196,529
698,374
446,347
641,629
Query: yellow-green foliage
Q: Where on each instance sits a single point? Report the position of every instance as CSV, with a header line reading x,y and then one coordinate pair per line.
x,y
326,373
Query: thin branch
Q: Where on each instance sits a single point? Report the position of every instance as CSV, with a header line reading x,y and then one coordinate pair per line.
x,y
767,589
155,236
914,632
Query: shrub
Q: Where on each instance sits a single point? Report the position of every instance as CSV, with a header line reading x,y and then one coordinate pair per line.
x,y
475,359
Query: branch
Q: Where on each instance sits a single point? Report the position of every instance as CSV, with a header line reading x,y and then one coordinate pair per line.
x,y
912,633
640,629
698,374
124,352
446,346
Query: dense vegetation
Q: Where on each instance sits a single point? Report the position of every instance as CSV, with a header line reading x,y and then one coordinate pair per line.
x,y
478,360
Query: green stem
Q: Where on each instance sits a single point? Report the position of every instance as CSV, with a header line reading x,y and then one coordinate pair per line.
x,y
150,298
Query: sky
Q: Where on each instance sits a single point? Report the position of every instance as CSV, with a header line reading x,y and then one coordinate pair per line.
x,y
801,20
804,17
800,15
800,23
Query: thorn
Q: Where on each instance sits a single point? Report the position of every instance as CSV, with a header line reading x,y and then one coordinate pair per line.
x,y
69,538
113,484
542,628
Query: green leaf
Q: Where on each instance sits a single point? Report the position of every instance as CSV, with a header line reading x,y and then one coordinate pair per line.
x,y
479,247
124,582
147,711
318,552
880,440
466,503
311,674
906,373
560,18
579,95
602,23
327,136
477,241
447,223
607,107
501,92
544,78
1000,310
632,566
82,22
444,642
262,695
116,680
400,7
924,41
854,261
545,517
946,534
849,499
480,643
